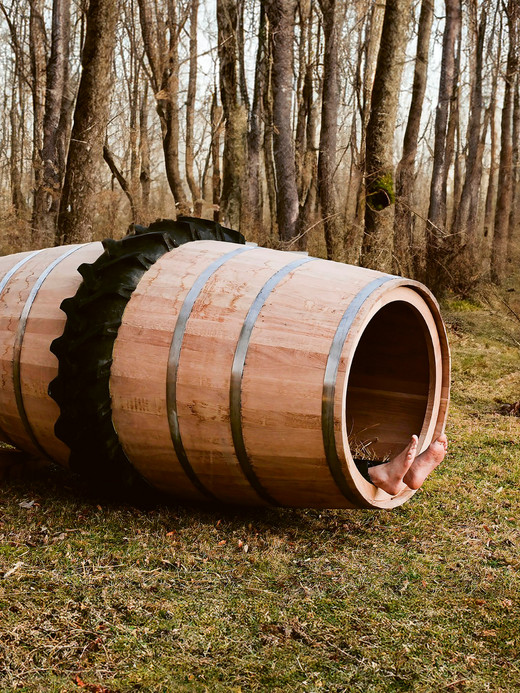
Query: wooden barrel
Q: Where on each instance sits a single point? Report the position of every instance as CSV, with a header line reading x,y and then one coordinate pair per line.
x,y
255,376
238,374
32,286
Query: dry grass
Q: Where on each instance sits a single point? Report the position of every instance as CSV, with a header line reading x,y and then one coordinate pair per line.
x,y
422,598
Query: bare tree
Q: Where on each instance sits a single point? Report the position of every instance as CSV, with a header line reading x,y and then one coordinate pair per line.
x,y
466,212
216,124
235,112
190,103
144,147
490,116
364,79
505,189
436,230
56,128
15,168
281,15
37,51
161,27
514,217
268,143
377,248
306,149
17,78
256,130
90,120
329,128
406,257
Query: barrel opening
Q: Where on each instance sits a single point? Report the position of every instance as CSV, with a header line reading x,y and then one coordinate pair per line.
x,y
388,388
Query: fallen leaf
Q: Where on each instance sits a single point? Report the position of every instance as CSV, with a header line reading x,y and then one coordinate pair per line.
x,y
12,570
27,504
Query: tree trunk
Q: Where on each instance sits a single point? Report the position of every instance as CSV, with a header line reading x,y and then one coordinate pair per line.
x,y
514,217
134,86
466,215
90,120
407,260
144,147
451,245
377,247
437,209
305,64
309,173
281,14
492,183
190,104
216,124
499,254
163,57
364,80
270,175
255,134
329,129
56,129
37,42
235,114
17,197
14,140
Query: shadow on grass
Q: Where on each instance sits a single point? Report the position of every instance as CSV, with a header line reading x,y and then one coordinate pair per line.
x,y
54,487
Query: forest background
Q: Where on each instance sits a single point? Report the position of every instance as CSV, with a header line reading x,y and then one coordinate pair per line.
x,y
385,134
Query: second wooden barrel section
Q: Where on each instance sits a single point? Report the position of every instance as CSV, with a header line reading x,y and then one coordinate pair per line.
x,y
32,287
255,376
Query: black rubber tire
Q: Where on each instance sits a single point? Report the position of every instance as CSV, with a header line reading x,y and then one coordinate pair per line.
x,y
84,351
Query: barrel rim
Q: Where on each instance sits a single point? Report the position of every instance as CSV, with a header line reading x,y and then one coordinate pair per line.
x,y
361,489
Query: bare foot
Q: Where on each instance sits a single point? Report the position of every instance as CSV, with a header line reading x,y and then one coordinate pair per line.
x,y
389,476
426,462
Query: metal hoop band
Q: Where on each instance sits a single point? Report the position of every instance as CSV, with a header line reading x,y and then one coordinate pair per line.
x,y
173,365
15,269
237,371
17,349
329,383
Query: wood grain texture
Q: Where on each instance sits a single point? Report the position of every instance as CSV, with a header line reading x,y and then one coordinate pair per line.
x,y
398,385
391,371
38,366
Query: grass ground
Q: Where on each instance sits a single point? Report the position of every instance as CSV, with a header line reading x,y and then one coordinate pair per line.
x,y
108,598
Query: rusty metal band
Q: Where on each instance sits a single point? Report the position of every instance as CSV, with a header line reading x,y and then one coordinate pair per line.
x,y
173,365
17,350
329,383
237,371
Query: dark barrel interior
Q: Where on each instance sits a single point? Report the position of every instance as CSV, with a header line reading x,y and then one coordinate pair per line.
x,y
389,383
